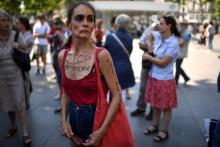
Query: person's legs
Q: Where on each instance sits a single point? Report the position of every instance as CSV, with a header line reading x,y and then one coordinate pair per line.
x,y
218,82
12,118
37,56
141,105
156,115
155,122
38,63
44,57
178,68
216,137
167,114
23,122
24,126
163,134
13,128
210,39
182,72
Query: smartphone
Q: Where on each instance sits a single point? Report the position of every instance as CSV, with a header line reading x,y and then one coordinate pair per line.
x,y
77,140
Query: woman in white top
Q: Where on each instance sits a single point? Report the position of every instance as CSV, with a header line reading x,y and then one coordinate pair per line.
x,y
24,27
161,89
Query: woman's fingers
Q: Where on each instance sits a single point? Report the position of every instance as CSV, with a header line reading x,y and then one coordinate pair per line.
x,y
89,142
67,131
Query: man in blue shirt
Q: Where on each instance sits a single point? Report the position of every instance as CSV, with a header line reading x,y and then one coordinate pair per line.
x,y
184,45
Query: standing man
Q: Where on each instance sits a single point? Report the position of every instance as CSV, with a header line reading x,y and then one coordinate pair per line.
x,y
141,105
184,45
210,32
41,30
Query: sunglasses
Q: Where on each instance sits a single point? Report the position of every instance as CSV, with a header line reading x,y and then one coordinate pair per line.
x,y
80,18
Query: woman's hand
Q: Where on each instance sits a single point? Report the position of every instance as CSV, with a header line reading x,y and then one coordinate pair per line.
x,y
66,129
146,56
94,139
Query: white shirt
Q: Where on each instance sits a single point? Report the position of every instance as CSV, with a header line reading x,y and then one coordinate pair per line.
x,y
41,29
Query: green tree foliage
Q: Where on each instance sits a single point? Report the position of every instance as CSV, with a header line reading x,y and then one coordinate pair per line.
x,y
36,7
217,9
11,6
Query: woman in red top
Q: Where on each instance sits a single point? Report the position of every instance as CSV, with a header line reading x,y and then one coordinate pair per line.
x,y
79,82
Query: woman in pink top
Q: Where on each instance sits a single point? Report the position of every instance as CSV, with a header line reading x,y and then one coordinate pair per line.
x,y
79,84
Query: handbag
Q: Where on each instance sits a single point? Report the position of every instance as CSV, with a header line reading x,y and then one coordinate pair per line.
x,y
22,59
147,64
119,133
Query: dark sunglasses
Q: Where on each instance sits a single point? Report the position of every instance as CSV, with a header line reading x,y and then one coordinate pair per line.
x,y
80,18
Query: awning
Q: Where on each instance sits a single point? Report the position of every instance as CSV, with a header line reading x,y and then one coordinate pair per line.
x,y
135,6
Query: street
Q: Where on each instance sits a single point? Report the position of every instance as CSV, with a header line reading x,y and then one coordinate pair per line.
x,y
196,100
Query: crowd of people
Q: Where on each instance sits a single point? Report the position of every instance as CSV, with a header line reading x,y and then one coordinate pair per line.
x,y
94,74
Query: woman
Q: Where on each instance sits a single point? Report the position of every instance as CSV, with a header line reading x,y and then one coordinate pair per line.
x,y
79,82
12,90
161,89
119,55
24,27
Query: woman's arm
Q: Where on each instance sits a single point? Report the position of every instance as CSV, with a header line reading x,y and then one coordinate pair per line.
x,y
108,71
162,62
66,128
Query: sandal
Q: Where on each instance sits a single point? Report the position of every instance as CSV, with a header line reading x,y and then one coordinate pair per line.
x,y
159,138
152,129
27,140
11,133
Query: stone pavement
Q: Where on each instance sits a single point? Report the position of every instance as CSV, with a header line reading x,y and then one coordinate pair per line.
x,y
196,101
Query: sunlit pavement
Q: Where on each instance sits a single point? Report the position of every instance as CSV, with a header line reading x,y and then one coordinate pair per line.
x,y
196,100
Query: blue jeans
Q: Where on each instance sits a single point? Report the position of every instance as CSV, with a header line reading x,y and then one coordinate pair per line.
x,y
218,82
216,138
210,40
81,119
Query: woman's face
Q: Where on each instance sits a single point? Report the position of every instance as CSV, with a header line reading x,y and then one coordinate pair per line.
x,y
82,23
163,27
19,25
5,23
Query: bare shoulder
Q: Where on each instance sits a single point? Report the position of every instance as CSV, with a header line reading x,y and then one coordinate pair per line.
x,y
104,55
60,55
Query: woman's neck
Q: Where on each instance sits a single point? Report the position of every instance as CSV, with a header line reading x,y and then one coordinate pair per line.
x,y
166,35
81,44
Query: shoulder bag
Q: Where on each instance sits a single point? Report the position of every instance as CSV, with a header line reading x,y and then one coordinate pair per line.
x,y
119,133
22,59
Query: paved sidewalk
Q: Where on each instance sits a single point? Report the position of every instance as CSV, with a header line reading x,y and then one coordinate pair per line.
x,y
196,101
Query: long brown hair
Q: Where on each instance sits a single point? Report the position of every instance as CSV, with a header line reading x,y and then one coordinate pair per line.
x,y
170,20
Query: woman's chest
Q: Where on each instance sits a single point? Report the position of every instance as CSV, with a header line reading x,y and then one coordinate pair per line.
x,y
78,67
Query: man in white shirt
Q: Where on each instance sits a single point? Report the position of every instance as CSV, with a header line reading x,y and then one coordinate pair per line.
x,y
141,105
40,31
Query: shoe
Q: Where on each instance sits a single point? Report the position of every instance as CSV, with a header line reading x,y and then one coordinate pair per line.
x,y
11,133
44,71
57,97
27,141
57,110
137,112
159,138
187,80
152,129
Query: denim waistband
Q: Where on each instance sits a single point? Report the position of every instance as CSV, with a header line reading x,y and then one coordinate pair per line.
x,y
82,107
